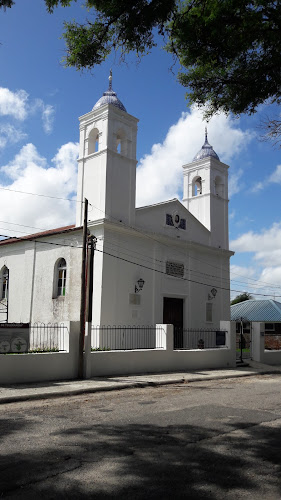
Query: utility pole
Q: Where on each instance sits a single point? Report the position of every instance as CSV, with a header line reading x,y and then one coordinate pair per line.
x,y
83,293
92,244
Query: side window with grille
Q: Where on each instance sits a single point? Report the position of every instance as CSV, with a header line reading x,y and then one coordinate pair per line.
x,y
4,280
60,278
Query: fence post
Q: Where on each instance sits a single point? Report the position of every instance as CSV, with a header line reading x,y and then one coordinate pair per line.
x,y
230,339
63,334
169,337
258,342
87,353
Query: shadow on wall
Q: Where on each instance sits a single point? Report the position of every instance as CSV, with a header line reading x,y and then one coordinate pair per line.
x,y
143,461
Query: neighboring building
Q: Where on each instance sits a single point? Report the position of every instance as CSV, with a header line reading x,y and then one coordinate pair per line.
x,y
179,250
267,312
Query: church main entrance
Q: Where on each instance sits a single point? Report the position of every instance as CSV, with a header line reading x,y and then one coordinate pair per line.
x,y
173,315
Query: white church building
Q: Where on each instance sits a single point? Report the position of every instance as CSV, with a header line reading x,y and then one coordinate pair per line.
x,y
163,263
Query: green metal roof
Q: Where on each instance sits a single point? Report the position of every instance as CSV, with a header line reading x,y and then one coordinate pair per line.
x,y
256,310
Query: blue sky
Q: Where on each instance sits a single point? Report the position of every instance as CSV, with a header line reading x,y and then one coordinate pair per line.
x,y
40,102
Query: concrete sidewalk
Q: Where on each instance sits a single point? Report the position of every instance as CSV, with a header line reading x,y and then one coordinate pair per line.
x,y
44,390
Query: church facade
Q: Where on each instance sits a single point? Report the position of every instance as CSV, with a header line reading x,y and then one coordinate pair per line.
x,y
162,263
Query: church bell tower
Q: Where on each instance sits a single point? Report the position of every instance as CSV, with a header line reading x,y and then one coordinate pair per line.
x,y
107,161
205,193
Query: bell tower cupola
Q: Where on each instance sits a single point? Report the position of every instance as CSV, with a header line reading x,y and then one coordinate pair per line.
x,y
107,160
205,193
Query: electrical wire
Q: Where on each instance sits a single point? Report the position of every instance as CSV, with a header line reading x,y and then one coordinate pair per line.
x,y
41,195
271,285
143,266
248,282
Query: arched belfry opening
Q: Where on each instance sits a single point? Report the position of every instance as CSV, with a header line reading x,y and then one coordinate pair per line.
x,y
93,141
121,143
219,186
197,186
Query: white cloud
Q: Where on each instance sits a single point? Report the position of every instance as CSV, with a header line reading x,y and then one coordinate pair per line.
x,y
258,187
272,275
159,175
241,279
266,248
240,272
18,105
10,135
30,172
13,103
274,178
48,118
265,241
276,175
234,184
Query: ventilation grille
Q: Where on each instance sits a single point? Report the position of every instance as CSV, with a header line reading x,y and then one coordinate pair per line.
x,y
175,269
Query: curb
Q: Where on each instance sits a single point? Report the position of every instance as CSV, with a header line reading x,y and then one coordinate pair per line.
x,y
130,385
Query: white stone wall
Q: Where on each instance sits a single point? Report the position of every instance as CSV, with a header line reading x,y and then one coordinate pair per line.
x,y
31,278
132,255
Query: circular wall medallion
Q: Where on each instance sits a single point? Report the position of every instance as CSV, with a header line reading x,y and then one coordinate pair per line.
x,y
4,346
18,344
176,219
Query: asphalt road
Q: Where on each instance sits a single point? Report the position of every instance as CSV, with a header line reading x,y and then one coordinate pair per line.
x,y
214,440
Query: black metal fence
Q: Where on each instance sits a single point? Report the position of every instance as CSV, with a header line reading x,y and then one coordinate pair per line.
x,y
48,337
121,338
191,338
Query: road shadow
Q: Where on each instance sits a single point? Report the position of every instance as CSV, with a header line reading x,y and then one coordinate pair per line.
x,y
140,461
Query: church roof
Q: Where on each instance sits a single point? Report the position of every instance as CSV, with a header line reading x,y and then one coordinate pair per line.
x,y
206,150
33,236
109,97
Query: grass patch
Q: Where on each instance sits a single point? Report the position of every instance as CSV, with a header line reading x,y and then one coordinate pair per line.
x,y
93,349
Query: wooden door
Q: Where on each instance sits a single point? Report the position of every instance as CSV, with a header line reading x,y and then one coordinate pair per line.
x,y
173,315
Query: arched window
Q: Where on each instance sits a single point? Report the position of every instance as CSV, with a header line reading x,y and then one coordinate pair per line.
x,y
93,141
4,283
118,145
121,143
61,278
218,186
196,186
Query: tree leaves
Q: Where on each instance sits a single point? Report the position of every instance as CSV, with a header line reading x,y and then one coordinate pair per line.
x,y
229,50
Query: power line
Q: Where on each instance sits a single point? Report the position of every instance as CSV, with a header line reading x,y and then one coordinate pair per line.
x,y
41,195
259,283
143,266
178,277
131,227
179,251
271,285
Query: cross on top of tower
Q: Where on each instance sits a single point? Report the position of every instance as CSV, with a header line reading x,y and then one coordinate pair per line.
x,y
206,150
109,97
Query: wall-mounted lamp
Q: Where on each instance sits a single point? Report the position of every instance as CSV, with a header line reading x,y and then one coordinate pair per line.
x,y
139,285
213,293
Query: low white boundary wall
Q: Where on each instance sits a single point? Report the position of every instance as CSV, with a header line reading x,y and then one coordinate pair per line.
x,y
21,368
258,352
103,363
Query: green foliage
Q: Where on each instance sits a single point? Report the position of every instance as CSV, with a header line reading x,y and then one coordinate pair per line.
x,y
241,298
229,50
6,3
93,349
34,351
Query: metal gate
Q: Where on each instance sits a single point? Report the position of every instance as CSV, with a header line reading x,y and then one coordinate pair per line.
x,y
243,340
